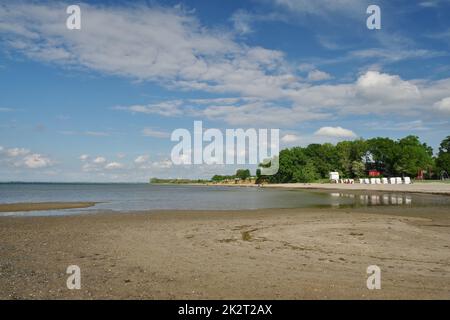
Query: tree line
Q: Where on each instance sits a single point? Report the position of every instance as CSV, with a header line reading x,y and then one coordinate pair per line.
x,y
353,159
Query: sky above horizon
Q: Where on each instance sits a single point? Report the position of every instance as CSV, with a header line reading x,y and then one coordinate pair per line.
x,y
100,103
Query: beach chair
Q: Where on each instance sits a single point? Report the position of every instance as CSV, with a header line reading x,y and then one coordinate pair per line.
x,y
392,180
378,181
373,181
366,181
361,181
398,180
407,180
384,180
352,181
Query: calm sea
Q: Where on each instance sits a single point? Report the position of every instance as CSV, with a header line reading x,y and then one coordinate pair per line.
x,y
136,197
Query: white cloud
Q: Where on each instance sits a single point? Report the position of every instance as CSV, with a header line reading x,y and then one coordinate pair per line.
x,y
242,22
394,54
166,108
23,158
385,87
84,157
443,105
373,92
141,159
164,164
317,75
36,160
6,110
99,160
324,8
336,132
96,133
171,47
290,138
149,132
114,166
17,152
165,45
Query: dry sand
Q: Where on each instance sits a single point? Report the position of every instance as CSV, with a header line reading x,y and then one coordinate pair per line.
x,y
429,187
264,254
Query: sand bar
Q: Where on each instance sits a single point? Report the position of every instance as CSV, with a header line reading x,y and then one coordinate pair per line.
x,y
40,206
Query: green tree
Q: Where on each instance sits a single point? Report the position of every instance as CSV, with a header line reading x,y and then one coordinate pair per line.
x,y
413,156
383,155
358,169
443,158
306,173
243,174
323,157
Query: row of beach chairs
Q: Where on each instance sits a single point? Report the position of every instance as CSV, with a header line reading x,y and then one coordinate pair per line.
x,y
396,180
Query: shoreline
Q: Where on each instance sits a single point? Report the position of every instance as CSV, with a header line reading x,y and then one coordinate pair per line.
x,y
259,254
442,189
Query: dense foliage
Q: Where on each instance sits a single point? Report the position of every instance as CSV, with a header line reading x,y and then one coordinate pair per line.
x,y
242,174
443,158
353,159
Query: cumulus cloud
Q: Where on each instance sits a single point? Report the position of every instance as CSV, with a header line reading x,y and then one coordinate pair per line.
x,y
373,92
290,138
84,157
386,88
335,132
443,105
23,158
141,159
36,160
99,160
114,166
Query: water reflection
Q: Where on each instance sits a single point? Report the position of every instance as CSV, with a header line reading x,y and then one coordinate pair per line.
x,y
376,199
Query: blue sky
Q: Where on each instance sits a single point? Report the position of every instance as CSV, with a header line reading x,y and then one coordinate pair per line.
x,y
99,104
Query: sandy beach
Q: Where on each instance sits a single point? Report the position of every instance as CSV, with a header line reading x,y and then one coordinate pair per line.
x,y
429,188
261,254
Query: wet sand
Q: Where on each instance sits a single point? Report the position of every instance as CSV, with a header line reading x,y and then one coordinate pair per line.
x,y
261,254
40,206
